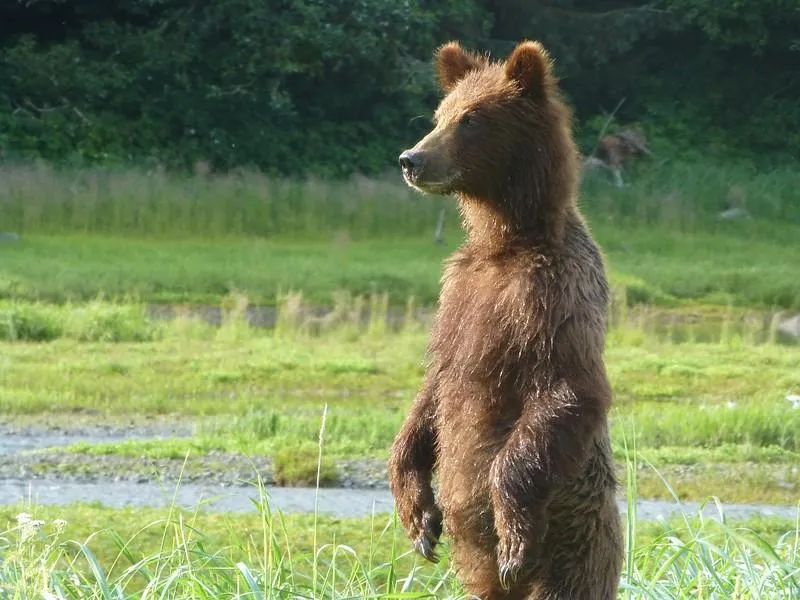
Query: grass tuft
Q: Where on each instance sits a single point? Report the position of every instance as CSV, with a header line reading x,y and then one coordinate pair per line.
x,y
95,321
298,466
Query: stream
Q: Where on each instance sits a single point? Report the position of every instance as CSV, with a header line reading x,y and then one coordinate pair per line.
x,y
338,502
55,489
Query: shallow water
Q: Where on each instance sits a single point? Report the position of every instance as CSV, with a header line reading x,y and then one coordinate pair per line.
x,y
336,502
215,496
14,440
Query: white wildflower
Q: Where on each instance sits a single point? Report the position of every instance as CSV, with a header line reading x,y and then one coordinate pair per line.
x,y
28,526
60,525
23,518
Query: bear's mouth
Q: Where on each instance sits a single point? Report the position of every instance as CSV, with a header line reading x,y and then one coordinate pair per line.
x,y
430,187
420,184
409,175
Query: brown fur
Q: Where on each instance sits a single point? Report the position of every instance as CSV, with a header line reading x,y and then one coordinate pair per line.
x,y
513,408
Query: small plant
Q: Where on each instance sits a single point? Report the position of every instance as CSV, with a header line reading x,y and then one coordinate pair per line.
x,y
22,322
297,466
105,322
234,323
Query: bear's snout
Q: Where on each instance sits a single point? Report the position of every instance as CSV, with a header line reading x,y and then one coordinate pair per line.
x,y
411,162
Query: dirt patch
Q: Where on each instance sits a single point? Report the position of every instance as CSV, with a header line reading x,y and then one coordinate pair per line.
x,y
31,452
215,468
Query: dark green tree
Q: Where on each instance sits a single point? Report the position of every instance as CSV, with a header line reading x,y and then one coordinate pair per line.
x,y
337,86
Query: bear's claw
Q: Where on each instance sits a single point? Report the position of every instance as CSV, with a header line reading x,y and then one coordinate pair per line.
x,y
508,576
510,562
426,548
428,528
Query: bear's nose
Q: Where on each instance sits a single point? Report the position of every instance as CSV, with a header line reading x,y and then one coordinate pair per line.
x,y
410,161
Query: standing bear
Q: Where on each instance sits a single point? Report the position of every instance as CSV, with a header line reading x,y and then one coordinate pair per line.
x,y
513,410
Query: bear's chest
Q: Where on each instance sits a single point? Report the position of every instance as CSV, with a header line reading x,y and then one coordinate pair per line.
x,y
490,315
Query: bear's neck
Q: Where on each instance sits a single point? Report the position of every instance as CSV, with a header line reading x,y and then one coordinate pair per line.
x,y
518,215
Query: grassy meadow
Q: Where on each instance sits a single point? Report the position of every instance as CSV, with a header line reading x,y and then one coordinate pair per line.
x,y
699,370
708,415
168,238
86,551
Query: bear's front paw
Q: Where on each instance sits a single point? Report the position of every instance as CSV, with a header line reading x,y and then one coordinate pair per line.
x,y
425,530
517,550
512,559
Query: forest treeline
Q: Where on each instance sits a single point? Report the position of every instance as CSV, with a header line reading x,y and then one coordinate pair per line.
x,y
340,86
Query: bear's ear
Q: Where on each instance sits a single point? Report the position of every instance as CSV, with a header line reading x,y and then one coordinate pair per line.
x,y
530,67
453,63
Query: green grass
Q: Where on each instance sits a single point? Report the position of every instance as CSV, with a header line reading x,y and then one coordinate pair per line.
x,y
164,238
733,265
80,268
698,378
704,402
302,466
82,551
90,322
41,199
193,365
711,412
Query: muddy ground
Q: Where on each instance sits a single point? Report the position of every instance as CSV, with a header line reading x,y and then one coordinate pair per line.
x,y
33,452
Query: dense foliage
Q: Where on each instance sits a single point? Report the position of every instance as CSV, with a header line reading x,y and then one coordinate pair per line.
x,y
336,86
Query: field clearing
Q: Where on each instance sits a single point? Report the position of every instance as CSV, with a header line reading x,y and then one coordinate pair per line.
x,y
257,392
158,237
656,266
702,379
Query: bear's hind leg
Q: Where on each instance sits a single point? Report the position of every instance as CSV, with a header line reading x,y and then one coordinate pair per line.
x,y
477,570
585,564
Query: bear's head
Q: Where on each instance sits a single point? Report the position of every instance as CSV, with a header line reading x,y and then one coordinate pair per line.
x,y
502,136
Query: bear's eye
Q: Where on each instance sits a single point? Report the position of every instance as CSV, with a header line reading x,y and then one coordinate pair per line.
x,y
467,120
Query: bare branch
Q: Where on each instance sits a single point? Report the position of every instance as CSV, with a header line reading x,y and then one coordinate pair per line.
x,y
46,110
66,105
564,12
81,115
605,126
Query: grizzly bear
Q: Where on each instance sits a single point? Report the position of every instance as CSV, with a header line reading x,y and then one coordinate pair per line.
x,y
512,413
